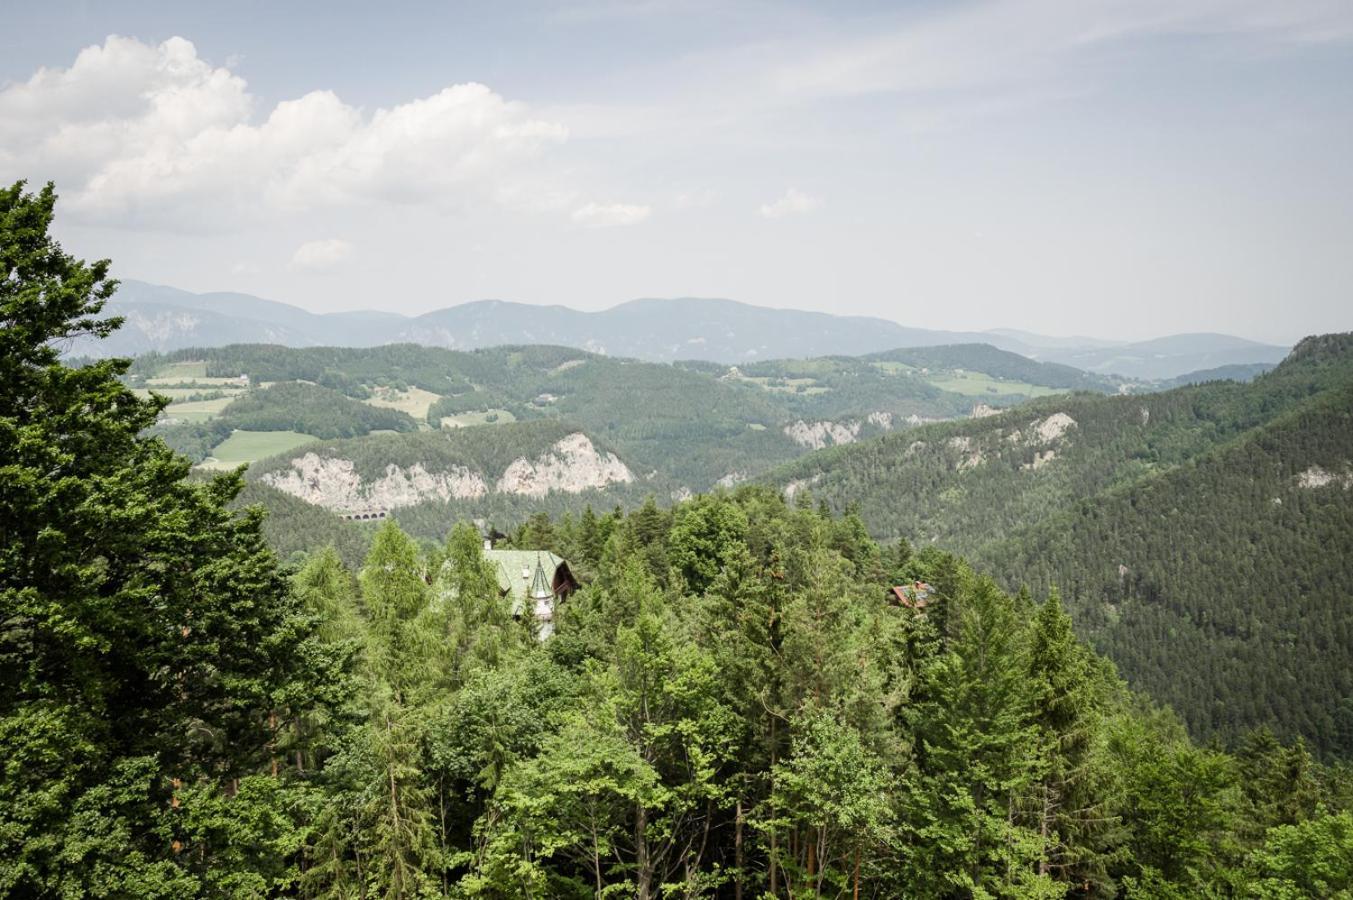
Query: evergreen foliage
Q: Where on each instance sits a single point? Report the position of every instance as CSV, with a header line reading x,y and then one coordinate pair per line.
x,y
730,707
1202,537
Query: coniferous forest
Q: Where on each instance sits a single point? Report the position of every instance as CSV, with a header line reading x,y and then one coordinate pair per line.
x,y
730,706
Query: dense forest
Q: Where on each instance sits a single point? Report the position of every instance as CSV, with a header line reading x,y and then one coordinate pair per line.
x,y
1192,532
312,409
731,706
694,423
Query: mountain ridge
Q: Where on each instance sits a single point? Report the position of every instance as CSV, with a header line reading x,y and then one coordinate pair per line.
x,y
162,319
1200,534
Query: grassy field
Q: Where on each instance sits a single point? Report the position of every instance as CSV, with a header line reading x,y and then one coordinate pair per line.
x,y
892,368
785,385
415,401
251,446
198,410
464,420
977,384
200,382
181,393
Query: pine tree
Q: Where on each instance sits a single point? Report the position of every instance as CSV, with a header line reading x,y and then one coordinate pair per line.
x,y
150,645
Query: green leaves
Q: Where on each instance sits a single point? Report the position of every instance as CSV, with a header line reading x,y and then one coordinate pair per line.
x,y
149,647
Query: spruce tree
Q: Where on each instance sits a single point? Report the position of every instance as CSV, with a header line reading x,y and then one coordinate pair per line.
x,y
148,642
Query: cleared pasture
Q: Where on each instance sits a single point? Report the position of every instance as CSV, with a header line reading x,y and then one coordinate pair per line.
x,y
251,446
484,417
978,384
415,401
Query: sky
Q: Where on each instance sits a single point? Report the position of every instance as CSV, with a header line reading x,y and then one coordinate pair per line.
x,y
1100,167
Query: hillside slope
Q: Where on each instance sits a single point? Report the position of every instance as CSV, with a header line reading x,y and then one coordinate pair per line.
x,y
164,319
1228,506
697,425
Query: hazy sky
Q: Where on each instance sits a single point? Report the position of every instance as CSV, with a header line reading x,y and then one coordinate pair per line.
x,y
1122,169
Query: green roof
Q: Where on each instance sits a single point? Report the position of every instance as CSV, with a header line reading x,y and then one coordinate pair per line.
x,y
516,570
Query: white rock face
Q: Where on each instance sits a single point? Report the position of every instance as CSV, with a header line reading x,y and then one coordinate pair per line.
x,y
882,419
731,479
334,484
572,465
799,484
1052,428
1146,416
1318,477
816,435
971,454
982,410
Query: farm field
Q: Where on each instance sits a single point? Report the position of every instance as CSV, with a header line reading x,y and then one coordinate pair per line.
x,y
415,401
198,410
808,386
251,446
978,384
485,417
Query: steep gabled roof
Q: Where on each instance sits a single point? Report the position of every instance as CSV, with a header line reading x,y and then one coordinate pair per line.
x,y
516,571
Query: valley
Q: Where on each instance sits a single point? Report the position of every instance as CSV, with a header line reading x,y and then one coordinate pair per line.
x,y
1043,474
669,451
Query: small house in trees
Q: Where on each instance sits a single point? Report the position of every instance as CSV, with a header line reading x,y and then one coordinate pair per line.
x,y
912,596
536,580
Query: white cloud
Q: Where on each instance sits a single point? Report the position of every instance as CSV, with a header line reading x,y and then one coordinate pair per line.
x,y
597,215
794,203
156,135
1002,44
323,254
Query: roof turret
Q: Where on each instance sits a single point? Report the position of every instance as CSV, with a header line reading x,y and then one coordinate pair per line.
x,y
541,589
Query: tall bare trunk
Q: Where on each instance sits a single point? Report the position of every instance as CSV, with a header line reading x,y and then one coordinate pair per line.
x,y
812,861
643,863
1043,831
737,850
774,839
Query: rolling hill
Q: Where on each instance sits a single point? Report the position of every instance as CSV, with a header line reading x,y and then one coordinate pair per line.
x,y
163,319
696,425
1203,535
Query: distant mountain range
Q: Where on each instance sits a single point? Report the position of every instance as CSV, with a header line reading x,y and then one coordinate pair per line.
x,y
160,318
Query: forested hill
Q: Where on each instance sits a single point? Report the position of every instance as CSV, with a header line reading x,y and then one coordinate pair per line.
x,y
159,318
1203,535
735,702
693,424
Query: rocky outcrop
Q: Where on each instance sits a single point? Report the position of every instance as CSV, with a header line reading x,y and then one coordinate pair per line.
x,y
816,435
572,465
882,419
970,454
333,483
1053,428
799,484
1319,477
